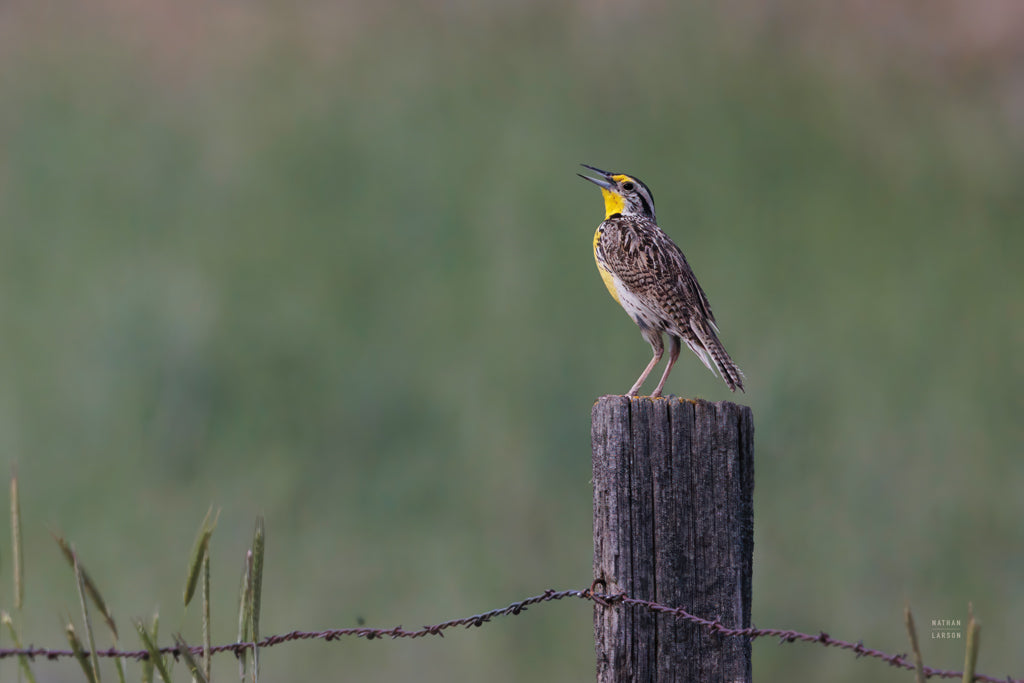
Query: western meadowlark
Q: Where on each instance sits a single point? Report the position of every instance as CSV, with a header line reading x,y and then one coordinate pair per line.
x,y
648,275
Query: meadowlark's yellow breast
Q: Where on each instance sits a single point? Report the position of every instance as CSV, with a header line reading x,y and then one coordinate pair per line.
x,y
606,275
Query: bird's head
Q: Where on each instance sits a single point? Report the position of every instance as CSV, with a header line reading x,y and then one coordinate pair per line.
x,y
623,193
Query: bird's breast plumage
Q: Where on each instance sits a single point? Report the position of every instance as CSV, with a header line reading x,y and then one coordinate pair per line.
x,y
606,275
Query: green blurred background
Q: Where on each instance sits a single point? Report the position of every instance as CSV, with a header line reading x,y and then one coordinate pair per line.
x,y
331,264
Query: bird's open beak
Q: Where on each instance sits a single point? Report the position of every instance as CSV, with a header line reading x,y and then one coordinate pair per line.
x,y
605,181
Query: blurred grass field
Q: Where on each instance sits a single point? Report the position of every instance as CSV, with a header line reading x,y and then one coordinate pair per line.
x,y
332,264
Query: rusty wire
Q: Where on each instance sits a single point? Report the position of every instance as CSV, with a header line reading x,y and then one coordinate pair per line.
x,y
603,600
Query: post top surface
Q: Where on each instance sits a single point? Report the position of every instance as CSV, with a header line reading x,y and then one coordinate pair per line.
x,y
622,399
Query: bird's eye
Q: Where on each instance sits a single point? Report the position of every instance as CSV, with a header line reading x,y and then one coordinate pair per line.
x,y
628,186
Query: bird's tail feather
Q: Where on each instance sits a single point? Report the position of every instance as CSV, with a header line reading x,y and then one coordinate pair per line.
x,y
706,345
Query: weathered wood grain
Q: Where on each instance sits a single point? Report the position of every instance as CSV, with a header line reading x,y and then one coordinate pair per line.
x,y
673,523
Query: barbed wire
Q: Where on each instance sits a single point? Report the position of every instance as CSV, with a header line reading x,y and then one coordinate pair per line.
x,y
605,600
786,636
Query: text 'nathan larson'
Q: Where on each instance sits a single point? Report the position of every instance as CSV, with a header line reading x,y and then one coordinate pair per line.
x,y
946,629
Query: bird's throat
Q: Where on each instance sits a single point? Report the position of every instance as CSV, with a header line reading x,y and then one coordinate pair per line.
x,y
613,203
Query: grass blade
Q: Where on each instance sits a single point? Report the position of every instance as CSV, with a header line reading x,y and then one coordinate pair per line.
x,y
199,550
258,546
245,612
118,663
973,642
148,664
85,617
154,652
90,586
207,642
119,666
16,639
190,661
16,556
908,620
76,648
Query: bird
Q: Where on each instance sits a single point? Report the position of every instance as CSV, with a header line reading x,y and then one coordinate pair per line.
x,y
648,275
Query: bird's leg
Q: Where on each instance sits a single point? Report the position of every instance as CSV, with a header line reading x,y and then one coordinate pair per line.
x,y
673,355
654,339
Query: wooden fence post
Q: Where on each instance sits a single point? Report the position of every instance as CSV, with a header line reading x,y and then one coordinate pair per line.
x,y
673,524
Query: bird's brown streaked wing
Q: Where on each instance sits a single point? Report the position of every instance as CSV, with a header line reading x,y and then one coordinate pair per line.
x,y
652,266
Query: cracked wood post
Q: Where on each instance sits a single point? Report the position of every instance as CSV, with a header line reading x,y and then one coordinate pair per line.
x,y
673,524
